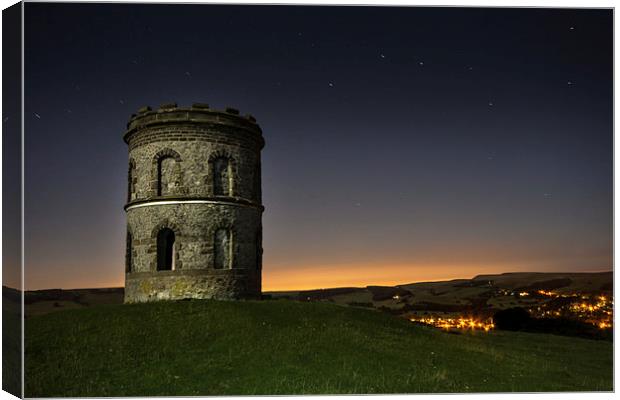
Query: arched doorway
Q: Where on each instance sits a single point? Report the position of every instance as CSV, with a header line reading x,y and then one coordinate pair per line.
x,y
165,249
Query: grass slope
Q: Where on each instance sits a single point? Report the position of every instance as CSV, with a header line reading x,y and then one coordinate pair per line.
x,y
283,347
11,350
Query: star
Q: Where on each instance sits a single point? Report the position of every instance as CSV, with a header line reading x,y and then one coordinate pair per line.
x,y
470,68
331,84
547,195
121,101
188,74
358,204
5,119
37,115
421,63
382,55
490,104
572,28
569,83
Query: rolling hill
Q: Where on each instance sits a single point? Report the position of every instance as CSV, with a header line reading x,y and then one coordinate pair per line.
x,y
286,347
457,294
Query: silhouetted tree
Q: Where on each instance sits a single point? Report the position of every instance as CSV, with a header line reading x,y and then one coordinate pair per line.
x,y
511,319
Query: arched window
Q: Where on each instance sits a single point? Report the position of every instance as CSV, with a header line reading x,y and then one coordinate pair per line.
x,y
222,177
222,251
166,176
128,251
165,250
259,249
257,182
131,181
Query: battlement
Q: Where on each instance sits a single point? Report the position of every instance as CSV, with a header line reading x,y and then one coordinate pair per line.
x,y
198,113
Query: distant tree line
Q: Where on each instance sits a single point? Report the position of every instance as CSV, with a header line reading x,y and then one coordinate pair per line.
x,y
518,319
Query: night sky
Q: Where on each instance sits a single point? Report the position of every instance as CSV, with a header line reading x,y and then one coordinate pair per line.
x,y
402,144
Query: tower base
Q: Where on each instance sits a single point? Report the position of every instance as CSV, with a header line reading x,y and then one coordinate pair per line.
x,y
237,283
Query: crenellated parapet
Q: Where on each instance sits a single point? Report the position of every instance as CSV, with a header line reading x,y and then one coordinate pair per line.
x,y
198,113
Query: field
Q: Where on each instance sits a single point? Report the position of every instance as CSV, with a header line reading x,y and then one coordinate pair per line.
x,y
287,347
11,341
544,295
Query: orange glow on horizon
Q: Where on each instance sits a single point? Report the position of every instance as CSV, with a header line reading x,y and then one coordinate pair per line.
x,y
356,275
320,276
316,277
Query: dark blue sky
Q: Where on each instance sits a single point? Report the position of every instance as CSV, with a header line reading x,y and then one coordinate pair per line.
x,y
402,144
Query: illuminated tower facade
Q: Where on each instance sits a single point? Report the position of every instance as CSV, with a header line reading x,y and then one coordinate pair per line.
x,y
193,204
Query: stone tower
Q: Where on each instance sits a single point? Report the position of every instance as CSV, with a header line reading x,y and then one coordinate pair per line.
x,y
193,204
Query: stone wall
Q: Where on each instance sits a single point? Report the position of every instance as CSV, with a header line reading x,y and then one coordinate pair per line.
x,y
196,152
191,284
194,226
175,161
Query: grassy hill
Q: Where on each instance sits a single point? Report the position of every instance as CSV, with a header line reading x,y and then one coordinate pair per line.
x,y
285,347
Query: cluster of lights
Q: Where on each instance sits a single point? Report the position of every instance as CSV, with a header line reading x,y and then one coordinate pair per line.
x,y
602,305
540,311
592,309
604,325
549,293
455,323
598,313
582,307
596,310
546,293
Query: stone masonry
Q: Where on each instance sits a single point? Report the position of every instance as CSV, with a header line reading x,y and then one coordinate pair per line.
x,y
193,204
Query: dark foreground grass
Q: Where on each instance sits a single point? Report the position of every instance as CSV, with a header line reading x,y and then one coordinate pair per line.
x,y
284,347
11,348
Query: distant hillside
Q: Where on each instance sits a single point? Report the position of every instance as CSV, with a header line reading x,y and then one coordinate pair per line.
x,y
563,282
467,295
283,347
459,295
39,302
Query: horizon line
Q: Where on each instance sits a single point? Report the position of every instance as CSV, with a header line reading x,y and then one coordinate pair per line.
x,y
346,286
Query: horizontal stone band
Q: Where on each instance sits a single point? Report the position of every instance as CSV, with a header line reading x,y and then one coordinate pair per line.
x,y
172,202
